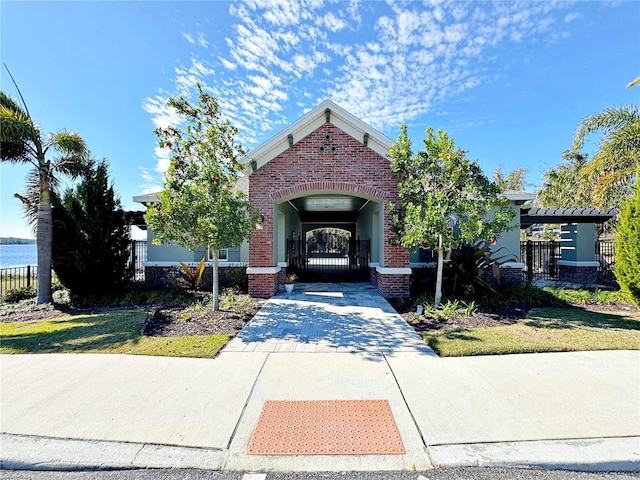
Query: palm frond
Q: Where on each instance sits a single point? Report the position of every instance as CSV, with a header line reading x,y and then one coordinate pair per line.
x,y
67,143
605,122
30,199
633,83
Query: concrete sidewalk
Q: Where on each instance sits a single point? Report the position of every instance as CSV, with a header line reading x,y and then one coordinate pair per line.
x,y
563,410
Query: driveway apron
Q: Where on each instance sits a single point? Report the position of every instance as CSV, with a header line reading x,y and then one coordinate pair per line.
x,y
328,318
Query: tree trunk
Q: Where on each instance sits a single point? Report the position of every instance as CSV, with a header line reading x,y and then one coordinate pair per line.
x,y
44,240
438,297
216,300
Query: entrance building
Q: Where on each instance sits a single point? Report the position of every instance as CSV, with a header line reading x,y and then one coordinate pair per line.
x,y
321,188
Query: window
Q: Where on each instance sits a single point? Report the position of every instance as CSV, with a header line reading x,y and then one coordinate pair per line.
x,y
223,254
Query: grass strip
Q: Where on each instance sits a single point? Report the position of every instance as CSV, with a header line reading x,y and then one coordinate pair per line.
x,y
108,332
545,330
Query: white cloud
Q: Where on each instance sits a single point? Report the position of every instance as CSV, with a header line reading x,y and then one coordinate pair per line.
x,y
387,63
188,37
202,41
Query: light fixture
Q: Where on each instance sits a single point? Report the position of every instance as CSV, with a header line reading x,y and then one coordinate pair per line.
x,y
327,115
254,165
365,140
290,137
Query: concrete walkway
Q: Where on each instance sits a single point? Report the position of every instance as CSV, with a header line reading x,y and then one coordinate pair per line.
x,y
328,318
563,410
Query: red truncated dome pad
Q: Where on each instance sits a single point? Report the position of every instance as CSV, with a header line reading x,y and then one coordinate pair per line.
x,y
326,427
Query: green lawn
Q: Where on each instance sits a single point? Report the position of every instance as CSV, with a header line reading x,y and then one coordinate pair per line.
x,y
545,330
109,332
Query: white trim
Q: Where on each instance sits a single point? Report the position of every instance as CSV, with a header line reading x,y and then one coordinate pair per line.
x,y
263,270
393,271
519,196
374,264
572,263
283,264
518,265
147,198
195,264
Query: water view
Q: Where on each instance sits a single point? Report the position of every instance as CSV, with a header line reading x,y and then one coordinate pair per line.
x,y
18,255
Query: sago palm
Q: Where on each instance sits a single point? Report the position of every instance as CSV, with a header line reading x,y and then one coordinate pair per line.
x,y
21,141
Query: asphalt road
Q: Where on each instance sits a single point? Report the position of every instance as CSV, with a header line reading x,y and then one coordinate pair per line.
x,y
467,473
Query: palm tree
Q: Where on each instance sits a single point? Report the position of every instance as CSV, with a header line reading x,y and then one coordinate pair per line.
x,y
21,141
611,170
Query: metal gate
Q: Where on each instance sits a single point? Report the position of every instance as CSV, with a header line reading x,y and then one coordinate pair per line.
x,y
540,259
329,259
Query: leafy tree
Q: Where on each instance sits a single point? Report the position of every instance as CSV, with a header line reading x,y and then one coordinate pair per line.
x,y
445,199
627,266
21,141
514,180
91,236
199,204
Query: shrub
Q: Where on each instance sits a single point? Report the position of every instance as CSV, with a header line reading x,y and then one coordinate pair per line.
x,y
90,237
236,278
470,263
627,266
17,294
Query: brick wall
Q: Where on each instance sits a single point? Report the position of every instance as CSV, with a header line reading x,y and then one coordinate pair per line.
x,y
349,168
578,274
263,285
393,286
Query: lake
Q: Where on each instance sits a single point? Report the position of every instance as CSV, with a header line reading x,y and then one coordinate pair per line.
x,y
18,255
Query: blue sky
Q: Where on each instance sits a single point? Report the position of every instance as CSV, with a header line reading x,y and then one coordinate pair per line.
x,y
509,81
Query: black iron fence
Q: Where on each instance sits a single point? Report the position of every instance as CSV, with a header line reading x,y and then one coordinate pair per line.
x,y
18,277
606,254
137,257
312,265
27,276
540,258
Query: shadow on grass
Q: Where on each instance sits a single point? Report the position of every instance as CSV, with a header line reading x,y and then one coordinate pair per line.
x,y
74,334
564,318
455,335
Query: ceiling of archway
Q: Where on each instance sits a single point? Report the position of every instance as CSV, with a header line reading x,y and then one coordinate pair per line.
x,y
328,203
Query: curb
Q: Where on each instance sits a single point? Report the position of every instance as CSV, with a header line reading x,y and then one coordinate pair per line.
x,y
616,454
21,452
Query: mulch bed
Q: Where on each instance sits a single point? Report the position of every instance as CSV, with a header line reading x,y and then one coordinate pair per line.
x,y
181,322
495,316
162,320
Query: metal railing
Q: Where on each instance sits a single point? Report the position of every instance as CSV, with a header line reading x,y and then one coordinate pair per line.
x,y
18,277
351,265
540,258
137,257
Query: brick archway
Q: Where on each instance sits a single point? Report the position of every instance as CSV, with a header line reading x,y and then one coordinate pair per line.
x,y
369,192
310,167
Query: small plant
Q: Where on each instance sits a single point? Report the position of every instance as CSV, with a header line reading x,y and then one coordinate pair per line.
x,y
291,279
17,294
449,308
191,277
